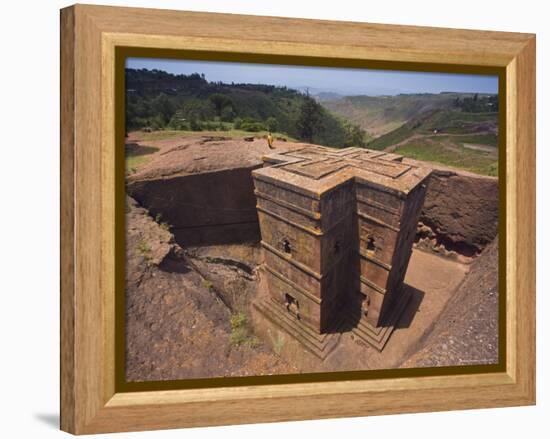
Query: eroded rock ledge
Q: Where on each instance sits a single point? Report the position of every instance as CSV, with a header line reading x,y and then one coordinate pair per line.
x,y
460,213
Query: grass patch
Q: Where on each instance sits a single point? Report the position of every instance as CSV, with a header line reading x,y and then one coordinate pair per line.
x,y
145,249
393,137
234,134
137,156
464,124
162,224
134,162
460,121
480,139
241,332
479,162
165,226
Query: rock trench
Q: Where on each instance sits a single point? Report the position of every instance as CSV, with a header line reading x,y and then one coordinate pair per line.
x,y
210,204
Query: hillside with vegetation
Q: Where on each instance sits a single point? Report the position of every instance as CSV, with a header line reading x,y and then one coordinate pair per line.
x,y
157,100
453,129
379,115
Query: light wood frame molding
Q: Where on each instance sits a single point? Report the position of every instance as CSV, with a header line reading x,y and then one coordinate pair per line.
x,y
89,38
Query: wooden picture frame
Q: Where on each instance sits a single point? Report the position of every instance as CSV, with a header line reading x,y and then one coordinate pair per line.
x,y
91,402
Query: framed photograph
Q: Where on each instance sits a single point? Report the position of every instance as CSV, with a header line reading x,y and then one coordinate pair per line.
x,y
267,219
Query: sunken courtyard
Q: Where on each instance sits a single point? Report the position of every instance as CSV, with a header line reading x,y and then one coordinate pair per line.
x,y
247,261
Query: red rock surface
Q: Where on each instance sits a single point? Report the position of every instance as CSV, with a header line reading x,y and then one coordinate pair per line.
x,y
176,325
461,210
200,154
202,186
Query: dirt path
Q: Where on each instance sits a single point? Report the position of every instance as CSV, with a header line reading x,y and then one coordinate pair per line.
x,y
478,147
393,147
430,137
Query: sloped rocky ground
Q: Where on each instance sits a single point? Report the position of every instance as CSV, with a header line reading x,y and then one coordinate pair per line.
x,y
177,326
466,332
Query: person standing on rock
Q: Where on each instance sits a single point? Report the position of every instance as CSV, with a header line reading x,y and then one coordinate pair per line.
x,y
270,141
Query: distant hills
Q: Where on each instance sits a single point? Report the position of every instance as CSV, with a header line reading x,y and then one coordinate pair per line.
x,y
442,122
379,115
454,129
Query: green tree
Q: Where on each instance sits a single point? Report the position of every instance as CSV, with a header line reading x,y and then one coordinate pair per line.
x,y
198,109
228,114
194,123
157,122
355,135
309,119
162,106
493,103
272,124
220,101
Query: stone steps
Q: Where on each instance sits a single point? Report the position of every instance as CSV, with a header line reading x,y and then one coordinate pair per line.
x,y
379,336
320,345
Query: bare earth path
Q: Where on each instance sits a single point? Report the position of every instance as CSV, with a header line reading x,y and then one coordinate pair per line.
x,y
478,147
485,148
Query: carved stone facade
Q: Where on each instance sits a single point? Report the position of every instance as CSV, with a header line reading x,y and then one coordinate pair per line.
x,y
337,229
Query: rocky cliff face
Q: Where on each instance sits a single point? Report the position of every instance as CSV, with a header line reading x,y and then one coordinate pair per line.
x,y
202,187
460,212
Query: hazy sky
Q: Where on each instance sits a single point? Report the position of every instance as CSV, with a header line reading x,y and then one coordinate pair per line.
x,y
323,79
